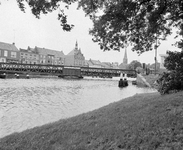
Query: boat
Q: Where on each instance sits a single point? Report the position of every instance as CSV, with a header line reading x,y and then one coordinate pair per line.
x,y
3,76
134,82
123,83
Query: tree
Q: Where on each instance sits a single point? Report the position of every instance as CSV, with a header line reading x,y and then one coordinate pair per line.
x,y
173,79
137,22
174,61
39,7
134,64
120,22
139,70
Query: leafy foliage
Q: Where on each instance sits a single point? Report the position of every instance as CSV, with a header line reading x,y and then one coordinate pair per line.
x,y
134,65
136,22
118,23
174,61
170,82
173,80
39,7
139,70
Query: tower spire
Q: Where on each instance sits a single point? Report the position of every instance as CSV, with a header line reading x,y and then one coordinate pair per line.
x,y
125,59
76,45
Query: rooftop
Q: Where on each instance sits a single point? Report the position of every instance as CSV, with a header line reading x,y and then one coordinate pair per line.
x,y
7,46
46,51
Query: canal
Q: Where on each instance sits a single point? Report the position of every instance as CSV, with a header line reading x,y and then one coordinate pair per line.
x,y
26,103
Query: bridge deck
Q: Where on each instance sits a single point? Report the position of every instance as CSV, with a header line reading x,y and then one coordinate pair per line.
x,y
58,69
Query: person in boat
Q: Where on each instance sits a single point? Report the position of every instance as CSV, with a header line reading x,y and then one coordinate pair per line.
x,y
121,83
125,82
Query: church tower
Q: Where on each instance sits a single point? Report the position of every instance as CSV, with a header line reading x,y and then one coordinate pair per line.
x,y
76,45
125,59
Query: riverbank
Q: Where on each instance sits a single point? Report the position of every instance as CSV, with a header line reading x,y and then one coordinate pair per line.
x,y
147,80
144,121
151,79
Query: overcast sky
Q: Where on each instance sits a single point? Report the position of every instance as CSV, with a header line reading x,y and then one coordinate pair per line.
x,y
25,30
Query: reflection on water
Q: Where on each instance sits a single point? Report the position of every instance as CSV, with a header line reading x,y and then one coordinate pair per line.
x,y
28,103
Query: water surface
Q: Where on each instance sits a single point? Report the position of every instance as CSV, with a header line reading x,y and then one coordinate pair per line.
x,y
26,103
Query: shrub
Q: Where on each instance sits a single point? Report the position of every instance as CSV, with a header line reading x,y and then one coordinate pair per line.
x,y
173,79
170,82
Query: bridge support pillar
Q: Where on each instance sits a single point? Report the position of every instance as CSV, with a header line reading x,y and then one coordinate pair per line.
x,y
123,75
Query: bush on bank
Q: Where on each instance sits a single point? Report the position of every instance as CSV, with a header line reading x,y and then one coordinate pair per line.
x,y
172,81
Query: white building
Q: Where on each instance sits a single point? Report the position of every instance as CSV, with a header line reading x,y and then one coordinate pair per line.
x,y
162,62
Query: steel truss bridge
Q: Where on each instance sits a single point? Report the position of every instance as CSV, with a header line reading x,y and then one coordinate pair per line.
x,y
58,70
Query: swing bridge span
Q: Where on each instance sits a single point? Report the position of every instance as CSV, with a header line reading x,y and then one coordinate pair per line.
x,y
57,70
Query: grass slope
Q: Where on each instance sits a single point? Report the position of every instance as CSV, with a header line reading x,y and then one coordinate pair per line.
x,y
151,78
144,121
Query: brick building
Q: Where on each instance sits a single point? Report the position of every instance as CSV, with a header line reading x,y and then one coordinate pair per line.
x,y
9,53
75,57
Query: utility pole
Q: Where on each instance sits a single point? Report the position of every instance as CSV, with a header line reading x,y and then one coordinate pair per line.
x,y
155,58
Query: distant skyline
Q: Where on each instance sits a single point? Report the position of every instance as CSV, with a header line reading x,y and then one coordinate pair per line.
x,y
25,30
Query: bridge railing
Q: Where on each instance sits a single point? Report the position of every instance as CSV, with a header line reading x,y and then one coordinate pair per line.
x,y
58,69
16,67
109,70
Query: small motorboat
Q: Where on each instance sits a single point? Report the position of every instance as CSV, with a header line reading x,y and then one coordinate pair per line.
x,y
3,76
134,82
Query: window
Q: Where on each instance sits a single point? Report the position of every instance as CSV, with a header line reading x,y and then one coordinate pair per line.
x,y
2,60
6,53
13,54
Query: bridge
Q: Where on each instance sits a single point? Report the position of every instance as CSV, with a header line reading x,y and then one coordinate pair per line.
x,y
57,70
106,72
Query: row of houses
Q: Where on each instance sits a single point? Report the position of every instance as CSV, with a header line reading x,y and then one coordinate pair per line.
x,y
9,53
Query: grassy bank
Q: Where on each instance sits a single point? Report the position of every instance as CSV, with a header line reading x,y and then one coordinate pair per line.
x,y
151,78
144,121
